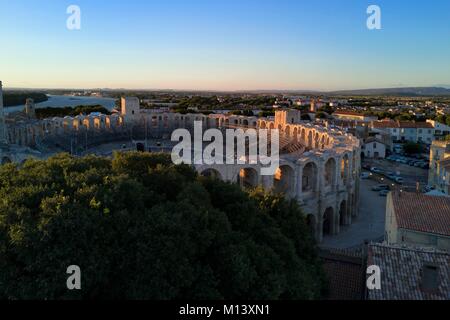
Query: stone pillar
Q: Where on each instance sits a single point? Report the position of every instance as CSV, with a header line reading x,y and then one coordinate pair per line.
x,y
319,227
299,179
267,182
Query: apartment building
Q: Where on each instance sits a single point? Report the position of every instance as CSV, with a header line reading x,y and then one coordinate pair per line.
x,y
439,174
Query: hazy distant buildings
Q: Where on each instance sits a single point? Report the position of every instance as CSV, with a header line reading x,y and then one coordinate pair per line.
x,y
353,116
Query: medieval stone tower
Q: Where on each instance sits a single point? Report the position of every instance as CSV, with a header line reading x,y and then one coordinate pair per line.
x,y
30,109
2,118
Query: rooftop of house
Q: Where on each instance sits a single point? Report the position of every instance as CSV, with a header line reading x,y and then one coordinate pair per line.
x,y
374,139
423,213
388,123
409,273
345,272
348,113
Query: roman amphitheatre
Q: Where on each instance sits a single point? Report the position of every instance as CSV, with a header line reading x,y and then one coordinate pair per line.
x,y
319,166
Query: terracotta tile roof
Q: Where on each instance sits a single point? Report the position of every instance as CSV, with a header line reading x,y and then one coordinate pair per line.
x,y
385,124
419,212
402,124
345,272
425,125
373,139
402,269
413,125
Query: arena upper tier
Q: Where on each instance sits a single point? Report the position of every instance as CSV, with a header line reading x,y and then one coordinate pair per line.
x,y
319,167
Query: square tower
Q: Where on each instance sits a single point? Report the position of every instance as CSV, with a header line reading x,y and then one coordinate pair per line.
x,y
287,116
130,108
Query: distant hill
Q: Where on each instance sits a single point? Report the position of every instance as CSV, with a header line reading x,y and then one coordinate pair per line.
x,y
410,91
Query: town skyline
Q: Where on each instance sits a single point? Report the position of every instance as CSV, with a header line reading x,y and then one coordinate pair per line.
x,y
230,46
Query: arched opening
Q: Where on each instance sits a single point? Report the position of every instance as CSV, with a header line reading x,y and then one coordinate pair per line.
x,y
272,126
6,160
322,142
262,125
248,178
309,178
330,172
328,221
295,135
310,140
288,131
211,173
140,147
311,223
317,141
245,123
283,180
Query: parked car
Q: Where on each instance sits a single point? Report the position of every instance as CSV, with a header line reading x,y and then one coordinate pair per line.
x,y
376,170
365,175
391,176
384,193
380,187
399,180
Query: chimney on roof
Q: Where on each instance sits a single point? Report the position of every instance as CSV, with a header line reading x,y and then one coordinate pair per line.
x,y
430,277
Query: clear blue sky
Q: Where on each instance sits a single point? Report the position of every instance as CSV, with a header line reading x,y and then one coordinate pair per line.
x,y
225,44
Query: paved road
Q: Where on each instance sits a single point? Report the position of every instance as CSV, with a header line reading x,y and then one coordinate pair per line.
x,y
368,225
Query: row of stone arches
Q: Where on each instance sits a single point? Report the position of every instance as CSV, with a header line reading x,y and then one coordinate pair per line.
x,y
332,220
311,137
284,179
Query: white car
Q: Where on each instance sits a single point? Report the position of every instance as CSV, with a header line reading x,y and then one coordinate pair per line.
x,y
365,175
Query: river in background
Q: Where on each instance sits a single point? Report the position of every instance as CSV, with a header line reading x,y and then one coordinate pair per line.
x,y
67,101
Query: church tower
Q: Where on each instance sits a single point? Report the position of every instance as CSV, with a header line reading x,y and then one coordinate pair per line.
x,y
2,118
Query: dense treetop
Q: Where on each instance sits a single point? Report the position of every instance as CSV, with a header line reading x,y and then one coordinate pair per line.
x,y
142,228
18,98
50,112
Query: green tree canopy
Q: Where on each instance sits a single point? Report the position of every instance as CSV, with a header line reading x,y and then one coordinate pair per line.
x,y
140,227
412,148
